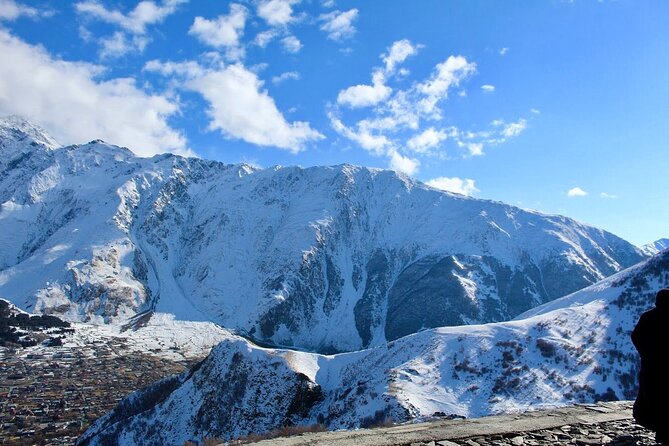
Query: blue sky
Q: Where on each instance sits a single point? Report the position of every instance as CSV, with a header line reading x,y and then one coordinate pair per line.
x,y
551,105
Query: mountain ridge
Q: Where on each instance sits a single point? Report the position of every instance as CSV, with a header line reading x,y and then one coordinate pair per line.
x,y
656,246
324,259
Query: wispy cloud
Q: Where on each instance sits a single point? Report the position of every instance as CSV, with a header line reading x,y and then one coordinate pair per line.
x,y
290,75
514,128
474,148
487,88
368,141
134,23
608,196
403,121
339,25
11,10
397,53
120,44
280,15
446,75
262,39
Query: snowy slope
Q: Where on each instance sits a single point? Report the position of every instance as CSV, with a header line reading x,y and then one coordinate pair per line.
x,y
575,349
655,247
325,259
161,336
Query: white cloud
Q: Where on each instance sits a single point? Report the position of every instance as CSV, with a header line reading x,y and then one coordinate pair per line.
x,y
10,10
329,3
535,111
406,119
119,44
474,148
67,98
501,131
145,13
239,106
241,109
503,51
487,88
426,140
514,128
608,196
262,39
398,53
378,145
339,25
446,75
373,143
85,34
189,69
393,112
576,192
222,32
258,67
365,95
464,186
291,44
403,164
290,75
277,12
135,23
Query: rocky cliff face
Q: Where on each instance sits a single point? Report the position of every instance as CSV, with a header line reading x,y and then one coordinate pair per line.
x,y
573,350
326,259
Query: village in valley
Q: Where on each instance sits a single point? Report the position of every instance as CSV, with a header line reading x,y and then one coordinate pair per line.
x,y
52,391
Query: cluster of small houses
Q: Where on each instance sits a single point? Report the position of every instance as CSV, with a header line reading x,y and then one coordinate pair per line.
x,y
50,395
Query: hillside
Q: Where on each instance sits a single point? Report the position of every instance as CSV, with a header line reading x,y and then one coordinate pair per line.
x,y
575,349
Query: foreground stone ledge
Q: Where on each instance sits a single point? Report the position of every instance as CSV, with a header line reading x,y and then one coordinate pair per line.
x,y
443,431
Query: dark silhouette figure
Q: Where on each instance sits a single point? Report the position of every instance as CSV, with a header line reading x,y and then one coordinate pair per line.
x,y
651,339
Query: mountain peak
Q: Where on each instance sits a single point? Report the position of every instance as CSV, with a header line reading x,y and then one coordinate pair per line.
x,y
19,130
656,246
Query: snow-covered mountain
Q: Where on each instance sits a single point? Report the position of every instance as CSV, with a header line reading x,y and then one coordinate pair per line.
x,y
656,246
574,349
325,259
